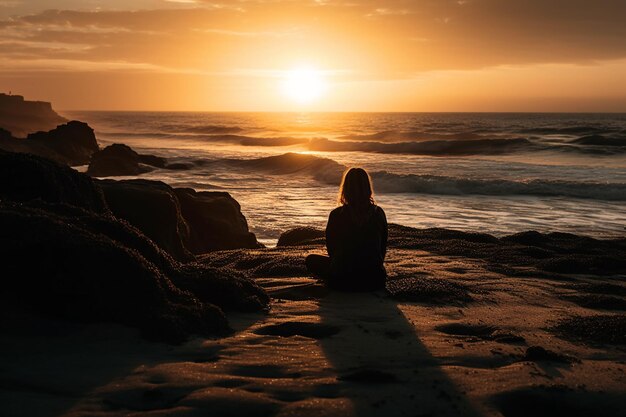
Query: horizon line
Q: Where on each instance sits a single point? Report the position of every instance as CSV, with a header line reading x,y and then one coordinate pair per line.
x,y
344,111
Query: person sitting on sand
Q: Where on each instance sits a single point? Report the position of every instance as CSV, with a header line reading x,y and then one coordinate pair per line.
x,y
356,239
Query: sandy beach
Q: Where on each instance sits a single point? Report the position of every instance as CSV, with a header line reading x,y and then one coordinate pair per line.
x,y
477,343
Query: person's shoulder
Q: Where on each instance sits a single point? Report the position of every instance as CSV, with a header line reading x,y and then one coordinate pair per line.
x,y
379,210
380,213
337,211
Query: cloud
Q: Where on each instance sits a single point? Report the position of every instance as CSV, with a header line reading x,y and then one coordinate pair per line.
x,y
401,39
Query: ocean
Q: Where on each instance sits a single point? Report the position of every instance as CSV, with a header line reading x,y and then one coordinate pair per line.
x,y
500,173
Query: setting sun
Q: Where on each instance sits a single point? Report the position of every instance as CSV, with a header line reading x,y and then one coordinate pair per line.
x,y
304,85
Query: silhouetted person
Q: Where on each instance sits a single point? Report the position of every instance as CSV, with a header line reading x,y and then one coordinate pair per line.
x,y
356,239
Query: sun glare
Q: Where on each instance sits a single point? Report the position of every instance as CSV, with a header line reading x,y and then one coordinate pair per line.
x,y
304,85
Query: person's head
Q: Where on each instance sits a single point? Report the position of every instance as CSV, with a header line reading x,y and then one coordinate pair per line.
x,y
356,188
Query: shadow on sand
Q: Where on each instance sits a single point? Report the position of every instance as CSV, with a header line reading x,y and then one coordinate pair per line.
x,y
382,365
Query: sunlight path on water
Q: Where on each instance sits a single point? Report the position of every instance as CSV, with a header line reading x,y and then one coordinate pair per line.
x,y
560,178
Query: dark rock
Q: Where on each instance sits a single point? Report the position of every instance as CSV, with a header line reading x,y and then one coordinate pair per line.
x,y
215,221
5,134
410,238
21,117
26,177
119,159
530,238
60,266
301,236
72,143
560,253
181,221
223,287
153,208
286,265
529,253
153,160
276,262
66,255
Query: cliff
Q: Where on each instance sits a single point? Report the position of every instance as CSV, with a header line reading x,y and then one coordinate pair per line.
x,y
21,117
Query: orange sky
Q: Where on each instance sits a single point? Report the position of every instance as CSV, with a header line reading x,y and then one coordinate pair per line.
x,y
399,55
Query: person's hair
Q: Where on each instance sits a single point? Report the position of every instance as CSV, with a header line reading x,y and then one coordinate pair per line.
x,y
356,188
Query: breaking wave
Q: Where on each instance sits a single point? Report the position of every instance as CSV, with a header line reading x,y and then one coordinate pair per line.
x,y
441,185
329,172
431,147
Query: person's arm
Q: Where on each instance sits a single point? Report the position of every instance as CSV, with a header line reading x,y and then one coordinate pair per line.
x,y
384,233
331,234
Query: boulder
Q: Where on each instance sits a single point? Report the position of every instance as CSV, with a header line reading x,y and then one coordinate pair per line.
x,y
72,143
10,144
301,236
180,220
5,134
153,208
215,221
25,177
119,159
58,265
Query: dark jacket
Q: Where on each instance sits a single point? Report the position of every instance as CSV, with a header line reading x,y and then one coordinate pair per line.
x,y
357,245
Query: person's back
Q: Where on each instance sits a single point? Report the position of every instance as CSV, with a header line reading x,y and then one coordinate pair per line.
x,y
356,239
357,246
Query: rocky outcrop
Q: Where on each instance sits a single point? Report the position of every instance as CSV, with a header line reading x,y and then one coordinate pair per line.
x,y
301,236
215,221
119,159
70,144
181,221
21,117
66,255
153,208
74,142
26,177
58,266
5,134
